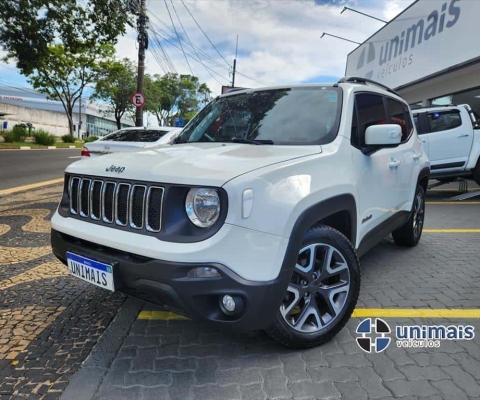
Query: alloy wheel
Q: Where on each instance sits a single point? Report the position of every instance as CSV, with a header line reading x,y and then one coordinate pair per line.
x,y
318,290
418,215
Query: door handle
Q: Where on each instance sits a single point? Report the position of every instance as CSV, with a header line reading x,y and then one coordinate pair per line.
x,y
464,135
394,163
416,156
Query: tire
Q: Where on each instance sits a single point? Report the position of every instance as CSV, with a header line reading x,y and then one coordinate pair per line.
x,y
410,233
476,173
315,309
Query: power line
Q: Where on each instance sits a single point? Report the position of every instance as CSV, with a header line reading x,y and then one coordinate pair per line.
x,y
178,37
197,60
204,33
186,35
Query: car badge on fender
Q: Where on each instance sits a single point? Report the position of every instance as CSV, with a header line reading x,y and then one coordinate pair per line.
x,y
114,168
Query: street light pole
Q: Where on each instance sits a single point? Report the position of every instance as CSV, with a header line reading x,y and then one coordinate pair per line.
x,y
367,15
338,37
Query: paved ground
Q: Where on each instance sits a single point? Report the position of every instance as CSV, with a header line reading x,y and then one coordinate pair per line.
x,y
30,166
50,322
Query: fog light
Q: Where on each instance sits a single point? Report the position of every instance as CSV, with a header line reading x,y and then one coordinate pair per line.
x,y
228,303
203,272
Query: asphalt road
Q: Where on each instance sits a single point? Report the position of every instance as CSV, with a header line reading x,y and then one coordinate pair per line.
x,y
24,167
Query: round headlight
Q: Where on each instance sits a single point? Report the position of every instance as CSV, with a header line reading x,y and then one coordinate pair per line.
x,y
202,206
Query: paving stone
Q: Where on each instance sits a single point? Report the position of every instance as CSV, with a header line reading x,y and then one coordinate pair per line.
x,y
401,388
313,389
199,350
206,370
147,379
210,392
347,360
463,380
384,367
469,364
175,364
314,357
429,373
253,392
181,387
371,382
275,383
427,359
157,393
114,393
449,390
238,376
351,391
294,367
144,359
341,374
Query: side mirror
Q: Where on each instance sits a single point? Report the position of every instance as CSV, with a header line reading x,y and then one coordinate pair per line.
x,y
387,135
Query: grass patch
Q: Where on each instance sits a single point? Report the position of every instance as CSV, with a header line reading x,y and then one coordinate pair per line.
x,y
17,145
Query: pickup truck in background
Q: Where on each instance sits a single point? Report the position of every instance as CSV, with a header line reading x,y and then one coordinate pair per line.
x,y
451,139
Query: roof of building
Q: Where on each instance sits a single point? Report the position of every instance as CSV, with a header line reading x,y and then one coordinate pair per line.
x,y
30,98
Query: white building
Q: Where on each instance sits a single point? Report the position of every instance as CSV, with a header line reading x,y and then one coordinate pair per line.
x,y
429,54
22,106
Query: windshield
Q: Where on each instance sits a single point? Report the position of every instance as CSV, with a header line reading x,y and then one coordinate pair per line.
x,y
135,135
282,116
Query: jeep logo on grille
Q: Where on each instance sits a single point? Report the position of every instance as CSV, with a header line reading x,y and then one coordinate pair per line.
x,y
114,168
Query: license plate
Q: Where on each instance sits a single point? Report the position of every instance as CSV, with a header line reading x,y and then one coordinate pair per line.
x,y
94,272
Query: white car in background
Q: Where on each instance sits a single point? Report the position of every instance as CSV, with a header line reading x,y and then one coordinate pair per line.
x,y
128,139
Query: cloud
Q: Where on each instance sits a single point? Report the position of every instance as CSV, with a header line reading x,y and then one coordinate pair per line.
x,y
279,40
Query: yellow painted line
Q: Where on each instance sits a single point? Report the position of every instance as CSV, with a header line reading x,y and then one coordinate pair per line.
x,y
458,203
358,313
160,315
416,313
451,230
32,186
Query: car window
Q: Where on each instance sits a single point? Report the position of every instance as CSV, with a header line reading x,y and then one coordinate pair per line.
x,y
135,135
417,124
444,120
370,111
284,116
400,115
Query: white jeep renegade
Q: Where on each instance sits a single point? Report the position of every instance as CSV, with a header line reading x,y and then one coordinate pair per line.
x,y
256,216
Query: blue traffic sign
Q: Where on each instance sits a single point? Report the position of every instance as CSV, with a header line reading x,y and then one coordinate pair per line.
x,y
178,122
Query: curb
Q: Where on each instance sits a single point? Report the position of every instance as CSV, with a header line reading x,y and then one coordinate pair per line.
x,y
86,381
45,148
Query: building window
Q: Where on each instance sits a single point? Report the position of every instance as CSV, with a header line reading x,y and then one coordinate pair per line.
x,y
441,101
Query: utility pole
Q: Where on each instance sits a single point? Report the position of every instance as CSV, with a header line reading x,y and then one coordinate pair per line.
x,y
235,64
79,130
142,46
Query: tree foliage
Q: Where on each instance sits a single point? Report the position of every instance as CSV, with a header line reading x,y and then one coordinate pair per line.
x,y
116,87
172,95
58,43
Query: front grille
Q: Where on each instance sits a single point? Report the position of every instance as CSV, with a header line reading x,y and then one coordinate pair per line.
x,y
119,203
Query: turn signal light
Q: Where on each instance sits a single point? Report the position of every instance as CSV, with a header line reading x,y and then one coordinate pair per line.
x,y
85,152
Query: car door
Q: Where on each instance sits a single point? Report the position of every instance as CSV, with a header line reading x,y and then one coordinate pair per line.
x,y
450,139
377,183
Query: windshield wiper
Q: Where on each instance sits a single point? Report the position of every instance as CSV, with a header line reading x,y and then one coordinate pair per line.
x,y
251,141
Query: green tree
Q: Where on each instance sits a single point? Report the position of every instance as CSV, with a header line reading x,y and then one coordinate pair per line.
x,y
174,95
58,44
116,87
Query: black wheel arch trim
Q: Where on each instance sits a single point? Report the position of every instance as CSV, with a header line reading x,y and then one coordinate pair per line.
x,y
314,214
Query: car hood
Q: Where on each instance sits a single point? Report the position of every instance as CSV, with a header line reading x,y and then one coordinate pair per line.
x,y
191,163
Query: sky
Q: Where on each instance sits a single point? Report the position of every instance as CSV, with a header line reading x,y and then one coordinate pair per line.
x,y
278,40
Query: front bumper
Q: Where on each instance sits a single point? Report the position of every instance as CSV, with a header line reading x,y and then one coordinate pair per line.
x,y
166,283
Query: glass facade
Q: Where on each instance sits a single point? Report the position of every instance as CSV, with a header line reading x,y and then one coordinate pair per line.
x,y
470,97
97,126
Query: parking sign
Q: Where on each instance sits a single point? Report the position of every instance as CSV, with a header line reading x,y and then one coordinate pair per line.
x,y
138,99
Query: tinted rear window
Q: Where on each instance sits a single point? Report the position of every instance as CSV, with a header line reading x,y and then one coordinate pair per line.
x,y
134,135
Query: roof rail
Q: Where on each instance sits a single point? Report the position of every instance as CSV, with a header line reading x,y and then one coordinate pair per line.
x,y
357,79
